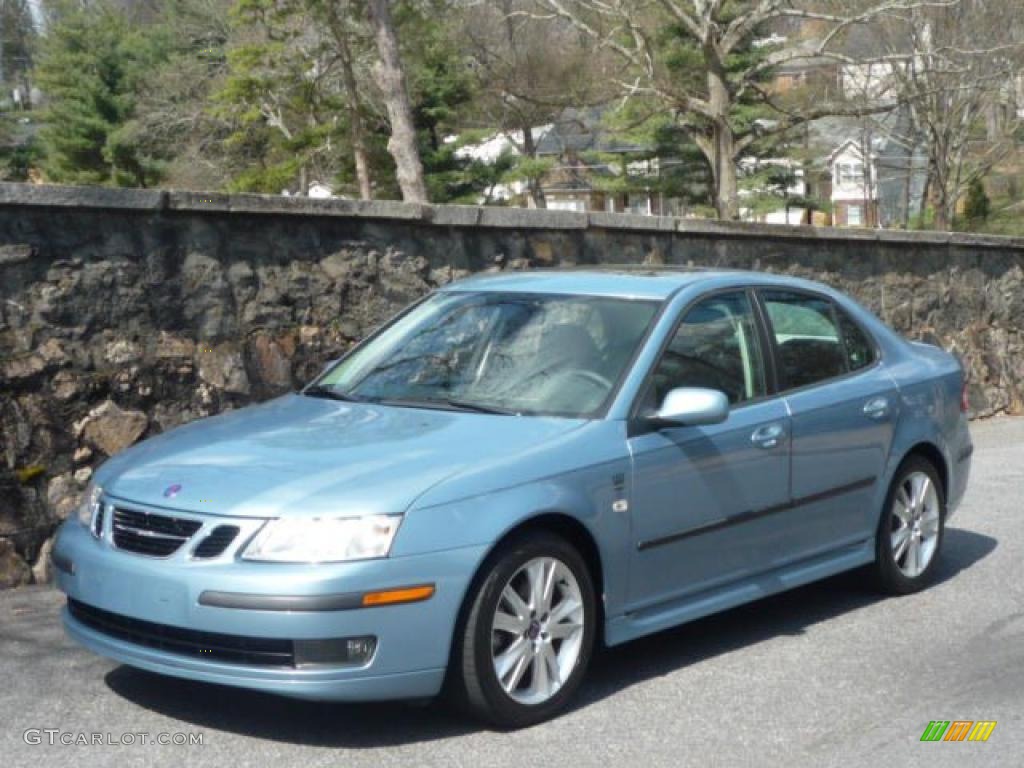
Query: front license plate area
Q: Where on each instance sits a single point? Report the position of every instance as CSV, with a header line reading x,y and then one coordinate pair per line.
x,y
141,596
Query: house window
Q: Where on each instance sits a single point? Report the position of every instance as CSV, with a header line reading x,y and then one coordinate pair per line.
x,y
855,216
566,205
851,173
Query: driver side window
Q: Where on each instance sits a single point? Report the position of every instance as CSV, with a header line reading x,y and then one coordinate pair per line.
x,y
715,347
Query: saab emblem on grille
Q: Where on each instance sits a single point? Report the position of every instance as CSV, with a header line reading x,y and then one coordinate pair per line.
x,y
172,491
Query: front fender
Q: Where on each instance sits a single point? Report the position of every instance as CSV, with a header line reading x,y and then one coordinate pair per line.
x,y
585,495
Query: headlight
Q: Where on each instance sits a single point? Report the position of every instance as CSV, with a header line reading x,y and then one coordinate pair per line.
x,y
323,540
89,505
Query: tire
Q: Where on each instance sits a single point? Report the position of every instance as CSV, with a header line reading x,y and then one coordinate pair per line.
x,y
896,572
529,644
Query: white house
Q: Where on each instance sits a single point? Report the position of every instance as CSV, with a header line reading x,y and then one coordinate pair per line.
x,y
854,187
318,189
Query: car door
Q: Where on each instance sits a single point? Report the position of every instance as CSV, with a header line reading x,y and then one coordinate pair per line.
x,y
703,496
842,408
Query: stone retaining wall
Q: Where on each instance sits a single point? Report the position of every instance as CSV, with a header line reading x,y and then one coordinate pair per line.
x,y
124,312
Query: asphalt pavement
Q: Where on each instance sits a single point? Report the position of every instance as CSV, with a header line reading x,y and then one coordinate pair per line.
x,y
827,675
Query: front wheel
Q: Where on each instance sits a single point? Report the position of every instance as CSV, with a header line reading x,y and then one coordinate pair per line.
x,y
911,529
529,632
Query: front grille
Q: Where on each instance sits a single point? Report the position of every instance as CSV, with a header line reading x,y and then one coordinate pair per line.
x,y
150,534
218,540
236,649
97,526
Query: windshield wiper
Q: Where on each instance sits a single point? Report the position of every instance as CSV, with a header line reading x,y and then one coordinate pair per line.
x,y
446,404
319,390
462,405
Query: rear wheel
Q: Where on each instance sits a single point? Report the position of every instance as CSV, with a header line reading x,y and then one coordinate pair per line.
x,y
529,633
911,529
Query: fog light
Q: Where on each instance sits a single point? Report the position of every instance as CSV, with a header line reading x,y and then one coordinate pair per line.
x,y
351,651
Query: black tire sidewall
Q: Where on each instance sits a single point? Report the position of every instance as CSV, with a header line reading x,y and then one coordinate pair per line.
x,y
890,577
486,697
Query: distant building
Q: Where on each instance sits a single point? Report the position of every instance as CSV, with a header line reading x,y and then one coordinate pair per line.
x,y
852,188
873,171
319,189
575,183
590,166
862,172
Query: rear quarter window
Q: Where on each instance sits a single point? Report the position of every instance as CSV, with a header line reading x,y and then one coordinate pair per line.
x,y
860,351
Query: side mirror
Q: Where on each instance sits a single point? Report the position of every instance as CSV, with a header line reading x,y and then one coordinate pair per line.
x,y
692,407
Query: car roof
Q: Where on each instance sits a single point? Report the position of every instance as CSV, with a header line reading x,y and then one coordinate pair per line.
x,y
639,282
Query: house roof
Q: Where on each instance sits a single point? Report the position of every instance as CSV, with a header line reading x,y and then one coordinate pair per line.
x,y
575,175
582,130
889,133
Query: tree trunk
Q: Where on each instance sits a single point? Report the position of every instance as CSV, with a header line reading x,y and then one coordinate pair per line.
x,y
391,79
727,202
356,128
534,183
723,140
944,207
940,188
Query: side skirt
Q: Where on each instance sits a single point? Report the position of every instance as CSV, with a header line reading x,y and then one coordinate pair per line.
x,y
630,626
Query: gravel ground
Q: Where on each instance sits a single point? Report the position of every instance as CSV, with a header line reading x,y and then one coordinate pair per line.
x,y
826,675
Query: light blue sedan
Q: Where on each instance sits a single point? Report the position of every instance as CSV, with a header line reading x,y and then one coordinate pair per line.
x,y
515,469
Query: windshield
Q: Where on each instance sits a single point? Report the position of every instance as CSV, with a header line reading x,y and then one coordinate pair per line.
x,y
498,352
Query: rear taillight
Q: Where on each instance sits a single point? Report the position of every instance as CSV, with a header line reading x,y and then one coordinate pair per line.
x,y
965,398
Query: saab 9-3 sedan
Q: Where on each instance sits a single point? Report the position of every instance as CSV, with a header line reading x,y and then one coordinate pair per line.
x,y
515,469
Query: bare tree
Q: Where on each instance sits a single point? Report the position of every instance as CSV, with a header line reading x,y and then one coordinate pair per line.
x,y
391,80
956,69
697,72
528,72
344,42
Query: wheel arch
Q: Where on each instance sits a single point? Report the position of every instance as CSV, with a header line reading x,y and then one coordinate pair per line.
x,y
931,453
560,523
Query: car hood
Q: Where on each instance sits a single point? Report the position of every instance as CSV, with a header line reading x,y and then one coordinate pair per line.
x,y
299,455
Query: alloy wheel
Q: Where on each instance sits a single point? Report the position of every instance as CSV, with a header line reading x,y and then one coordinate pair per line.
x,y
914,524
537,630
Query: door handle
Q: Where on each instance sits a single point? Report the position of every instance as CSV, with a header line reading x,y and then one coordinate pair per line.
x,y
768,437
877,408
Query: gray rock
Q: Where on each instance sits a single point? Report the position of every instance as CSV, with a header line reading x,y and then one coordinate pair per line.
x,y
14,571
121,352
22,368
15,253
62,493
66,385
112,429
207,296
222,367
42,571
272,365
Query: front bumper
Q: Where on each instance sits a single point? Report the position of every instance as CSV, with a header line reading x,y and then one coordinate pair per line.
x,y
413,639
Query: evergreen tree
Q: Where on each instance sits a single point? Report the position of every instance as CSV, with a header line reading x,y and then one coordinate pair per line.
x,y
92,60
294,96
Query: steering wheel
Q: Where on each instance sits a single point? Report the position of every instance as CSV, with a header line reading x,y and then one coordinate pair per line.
x,y
592,377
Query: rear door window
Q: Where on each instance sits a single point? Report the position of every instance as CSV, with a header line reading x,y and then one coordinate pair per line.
x,y
807,338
